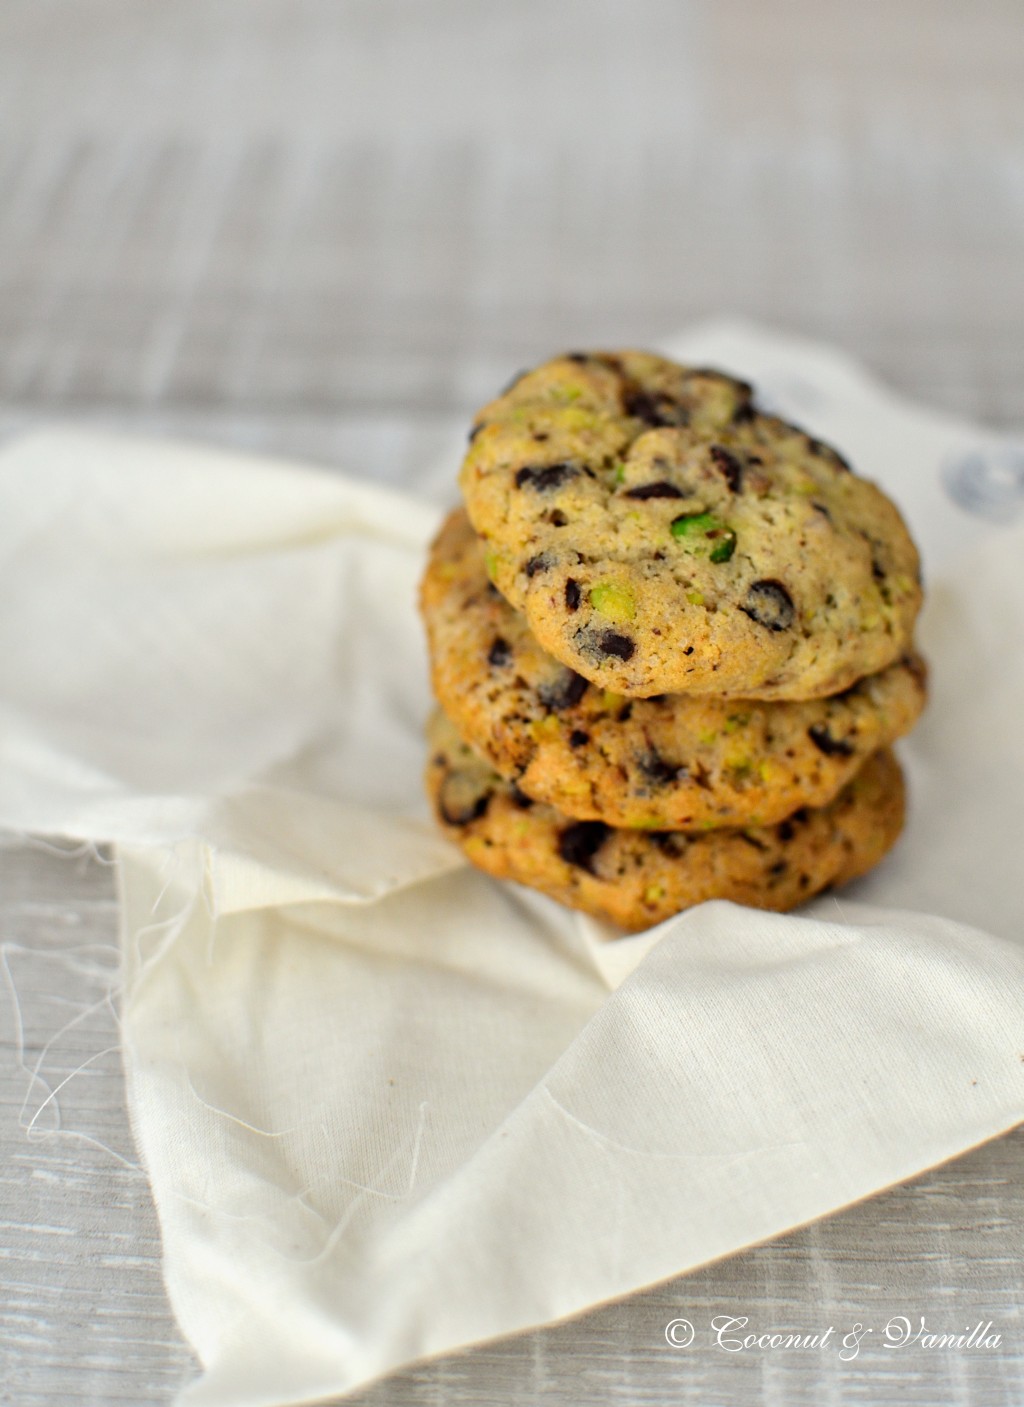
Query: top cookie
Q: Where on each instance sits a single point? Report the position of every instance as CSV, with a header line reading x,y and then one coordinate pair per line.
x,y
663,535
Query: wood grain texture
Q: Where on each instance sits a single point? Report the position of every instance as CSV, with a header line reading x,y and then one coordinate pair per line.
x,y
328,230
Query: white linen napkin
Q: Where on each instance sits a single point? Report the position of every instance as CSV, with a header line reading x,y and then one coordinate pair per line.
x,y
387,1105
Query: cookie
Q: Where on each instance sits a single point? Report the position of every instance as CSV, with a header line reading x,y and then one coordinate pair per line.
x,y
663,535
678,761
637,878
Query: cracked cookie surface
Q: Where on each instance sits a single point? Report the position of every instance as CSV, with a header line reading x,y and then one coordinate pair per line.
x,y
677,761
662,535
638,878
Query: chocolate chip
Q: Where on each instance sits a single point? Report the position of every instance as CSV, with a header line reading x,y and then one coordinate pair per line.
x,y
688,650
456,807
653,408
624,714
826,743
656,770
610,642
545,477
619,646
578,844
519,798
500,654
541,563
770,604
784,831
577,738
565,692
662,489
778,868
877,570
540,436
572,594
743,413
730,467
599,645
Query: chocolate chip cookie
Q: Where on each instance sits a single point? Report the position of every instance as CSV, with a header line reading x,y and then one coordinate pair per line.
x,y
637,878
664,535
675,761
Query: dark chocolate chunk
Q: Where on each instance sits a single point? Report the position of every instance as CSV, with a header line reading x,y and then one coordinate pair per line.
x,y
770,604
653,408
546,476
730,467
459,806
778,868
598,645
572,594
656,770
541,563
784,831
578,738
662,489
688,650
826,743
564,692
610,642
743,413
500,654
578,844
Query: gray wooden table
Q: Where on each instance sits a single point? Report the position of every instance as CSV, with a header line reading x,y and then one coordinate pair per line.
x,y
327,230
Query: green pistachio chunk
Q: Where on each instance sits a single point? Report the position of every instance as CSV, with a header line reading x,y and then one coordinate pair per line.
x,y
614,600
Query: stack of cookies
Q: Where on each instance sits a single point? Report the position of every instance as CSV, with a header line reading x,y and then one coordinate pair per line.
x,y
671,640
